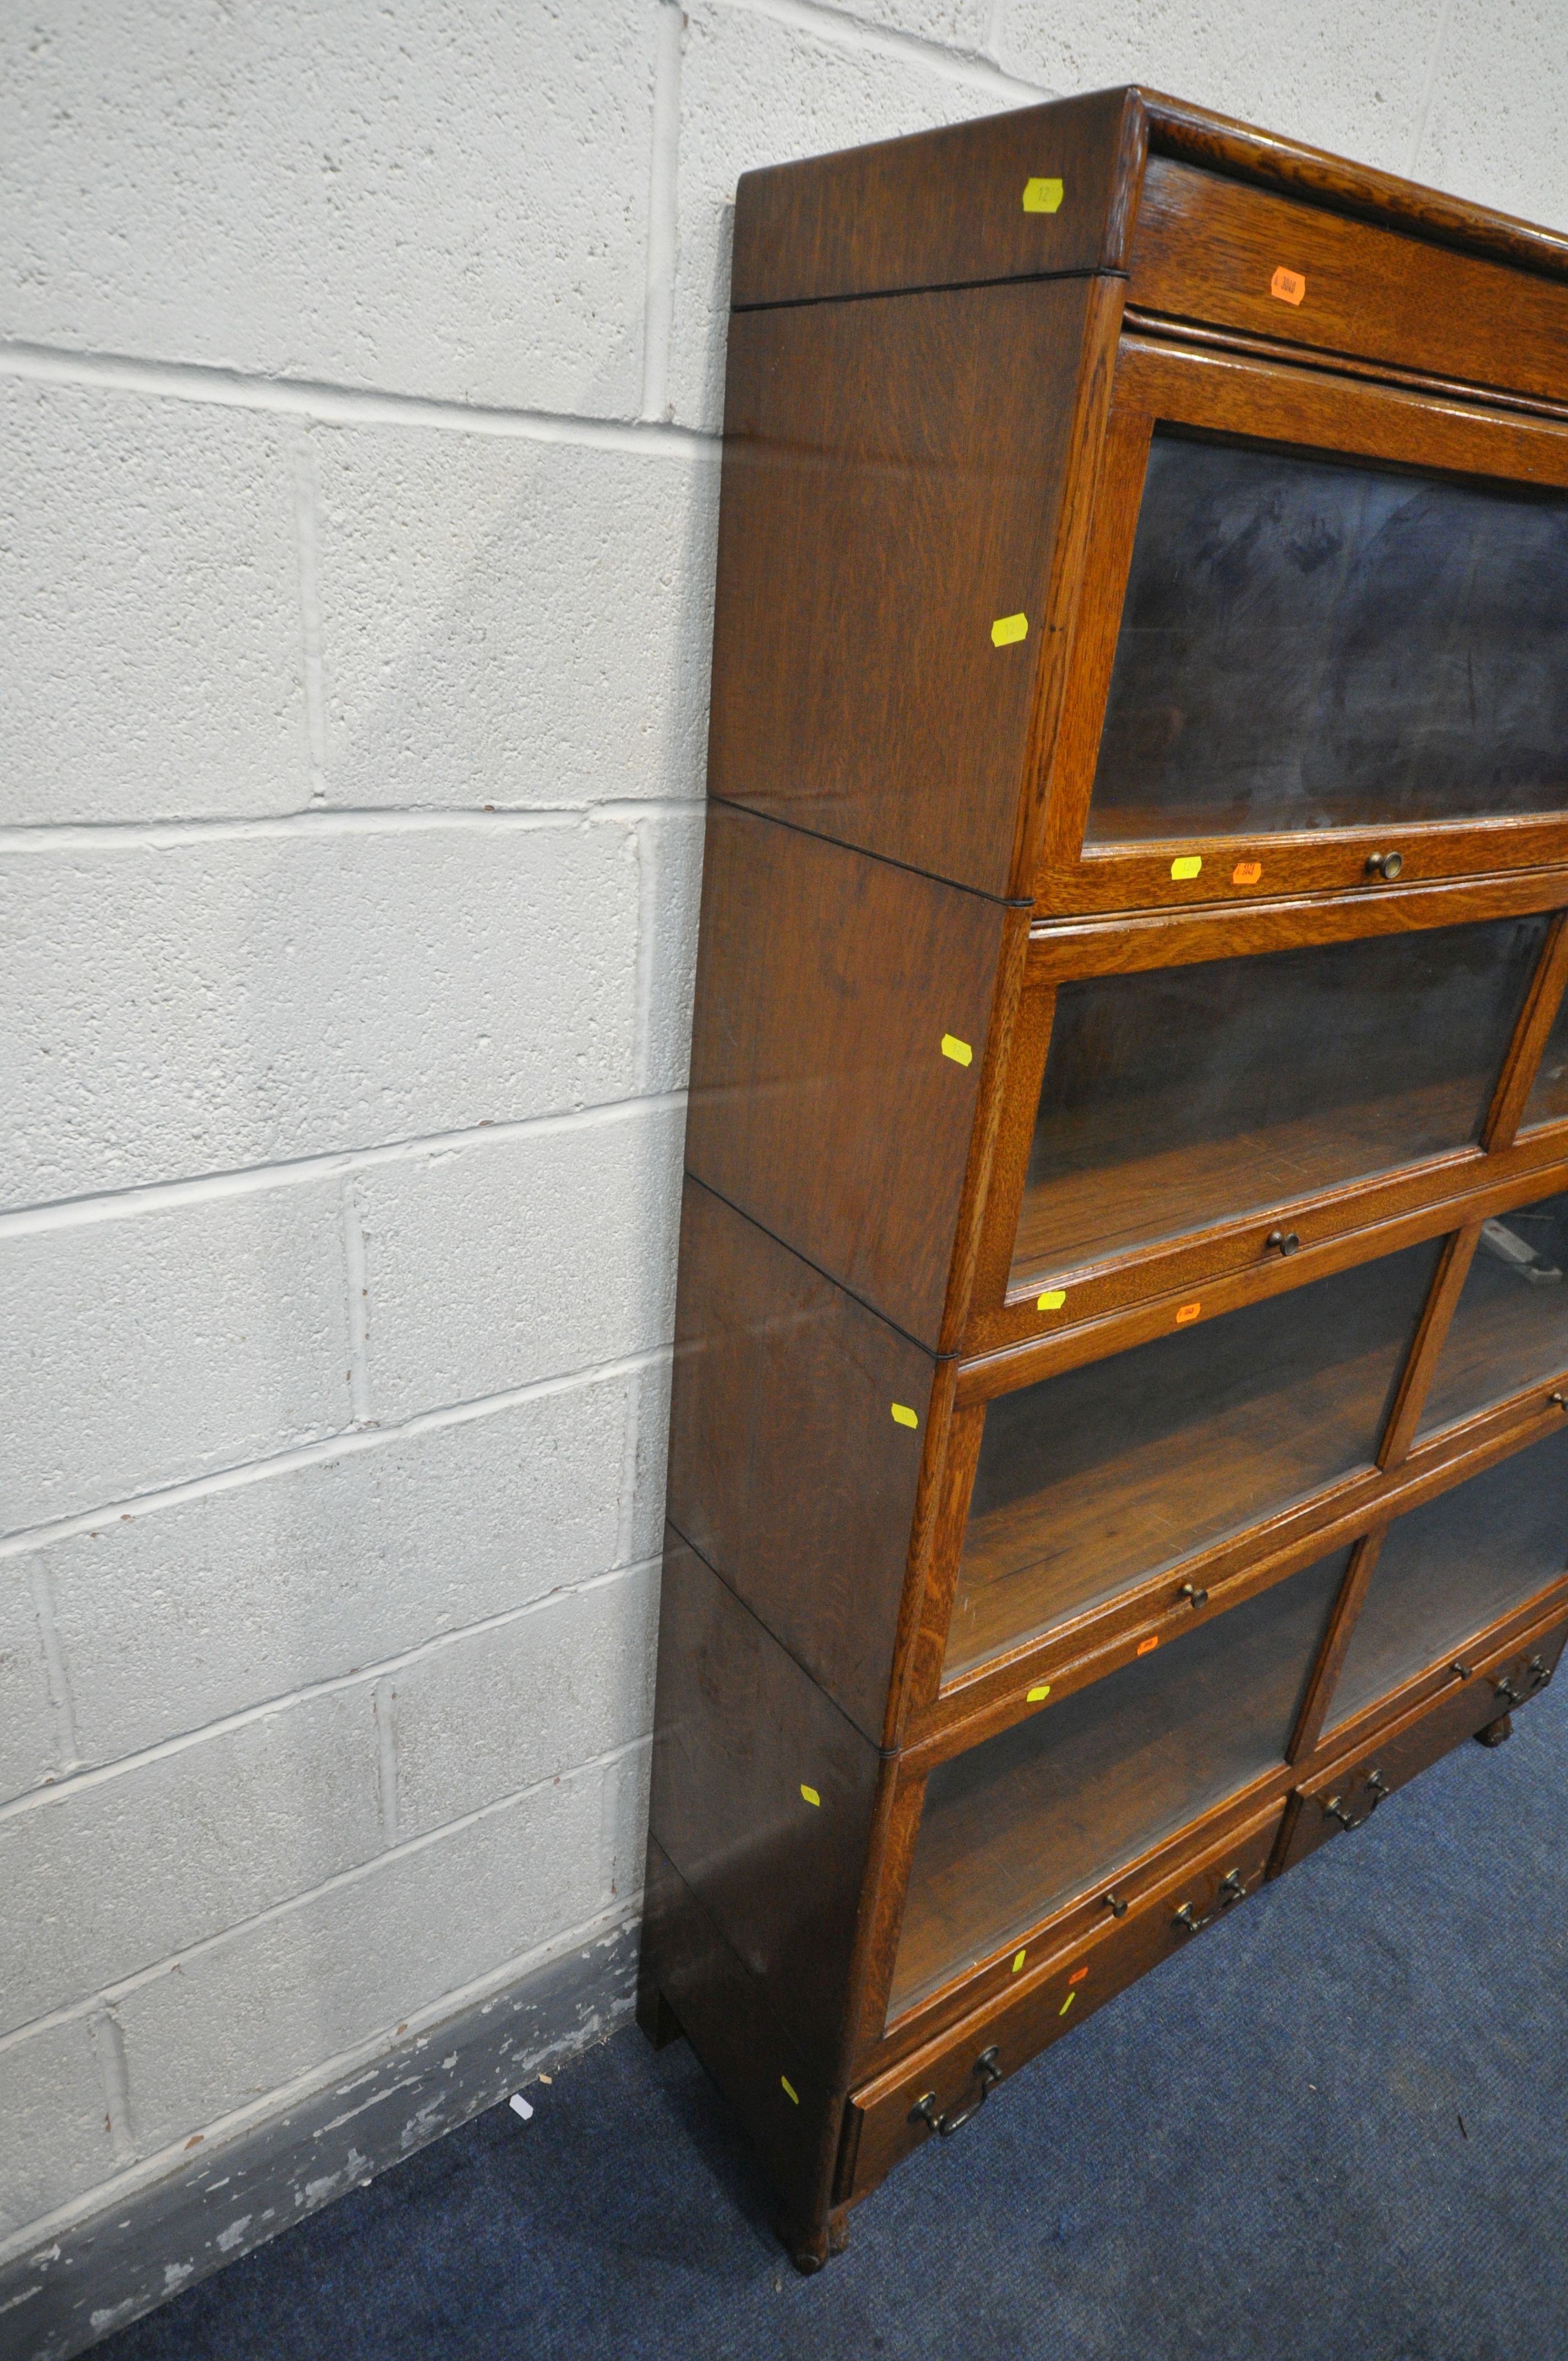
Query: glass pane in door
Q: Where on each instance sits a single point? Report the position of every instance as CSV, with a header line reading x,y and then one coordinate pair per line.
x,y
1547,1100
1450,1568
1046,1809
1174,1097
1511,1326
1311,643
1092,1480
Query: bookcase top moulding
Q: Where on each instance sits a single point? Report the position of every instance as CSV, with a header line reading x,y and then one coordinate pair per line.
x,y
948,207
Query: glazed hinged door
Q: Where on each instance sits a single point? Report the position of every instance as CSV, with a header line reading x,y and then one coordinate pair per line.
x,y
1320,640
1449,1571
1015,1828
1126,1473
1191,1100
1508,1335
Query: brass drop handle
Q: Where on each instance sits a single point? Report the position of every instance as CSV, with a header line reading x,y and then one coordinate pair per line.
x,y
1558,1401
1540,1673
1232,1888
1185,1919
923,2111
1285,1242
1507,1691
1387,865
1375,1788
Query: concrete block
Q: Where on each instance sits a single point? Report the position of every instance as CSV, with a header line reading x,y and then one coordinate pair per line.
x,y
272,2001
960,24
1494,130
203,1609
645,1537
446,200
30,1735
150,585
1270,61
115,1872
509,622
213,1004
145,1350
623,1826
755,90
56,2141
494,1711
504,1261
669,849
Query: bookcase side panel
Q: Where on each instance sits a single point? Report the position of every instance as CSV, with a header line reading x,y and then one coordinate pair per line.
x,y
838,1044
894,473
765,1798
797,1427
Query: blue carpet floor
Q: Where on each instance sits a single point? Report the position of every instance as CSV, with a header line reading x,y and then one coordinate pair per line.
x,y
1335,2129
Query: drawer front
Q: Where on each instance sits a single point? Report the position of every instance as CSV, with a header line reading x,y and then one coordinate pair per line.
x,y
1211,249
1346,1795
923,2097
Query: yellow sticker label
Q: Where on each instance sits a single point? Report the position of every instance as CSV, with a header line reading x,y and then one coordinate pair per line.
x,y
1067,2003
1145,1646
1008,630
1288,285
1186,1312
810,1794
1018,1960
904,1416
1052,1300
1039,1696
1246,873
1188,865
1042,196
789,2090
958,1051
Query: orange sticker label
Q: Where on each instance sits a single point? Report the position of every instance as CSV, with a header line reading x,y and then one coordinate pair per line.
x,y
1186,1312
1145,1646
1078,1975
1246,873
1288,285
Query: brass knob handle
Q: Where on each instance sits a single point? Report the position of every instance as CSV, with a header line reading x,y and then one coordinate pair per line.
x,y
1114,1903
1387,865
1198,1598
1285,1242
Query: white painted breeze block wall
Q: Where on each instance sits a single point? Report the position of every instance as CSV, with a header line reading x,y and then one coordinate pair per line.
x,y
361,371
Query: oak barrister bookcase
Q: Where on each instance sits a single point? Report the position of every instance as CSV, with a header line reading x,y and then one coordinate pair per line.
x,y
1119,1430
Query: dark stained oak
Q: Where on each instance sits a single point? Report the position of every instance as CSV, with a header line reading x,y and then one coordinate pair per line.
x,y
943,207
822,1102
1207,249
788,1471
869,539
1119,1390
764,1796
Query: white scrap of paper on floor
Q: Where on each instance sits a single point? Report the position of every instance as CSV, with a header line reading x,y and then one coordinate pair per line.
x,y
520,2106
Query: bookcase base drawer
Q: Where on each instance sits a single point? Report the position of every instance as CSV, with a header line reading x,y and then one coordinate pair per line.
x,y
930,2093
1346,1796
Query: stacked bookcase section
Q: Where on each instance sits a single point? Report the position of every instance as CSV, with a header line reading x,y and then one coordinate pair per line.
x,y
1120,1427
